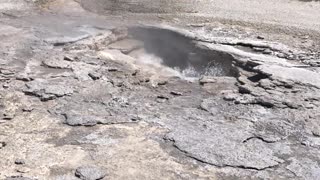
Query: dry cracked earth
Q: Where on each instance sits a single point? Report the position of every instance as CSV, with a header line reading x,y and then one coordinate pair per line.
x,y
159,90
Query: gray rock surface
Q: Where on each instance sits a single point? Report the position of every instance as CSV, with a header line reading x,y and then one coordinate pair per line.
x,y
189,96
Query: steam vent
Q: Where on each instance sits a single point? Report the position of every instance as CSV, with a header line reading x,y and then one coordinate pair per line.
x,y
159,90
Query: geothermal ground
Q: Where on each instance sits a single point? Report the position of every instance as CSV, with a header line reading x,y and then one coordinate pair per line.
x,y
162,89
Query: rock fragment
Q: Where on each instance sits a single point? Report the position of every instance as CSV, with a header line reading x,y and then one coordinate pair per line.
x,y
17,178
84,120
94,75
90,173
28,109
176,93
162,98
63,40
8,116
19,161
116,55
69,58
2,144
206,79
46,90
5,86
297,75
23,169
56,64
315,129
24,77
267,51
260,37
6,72
230,96
266,84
